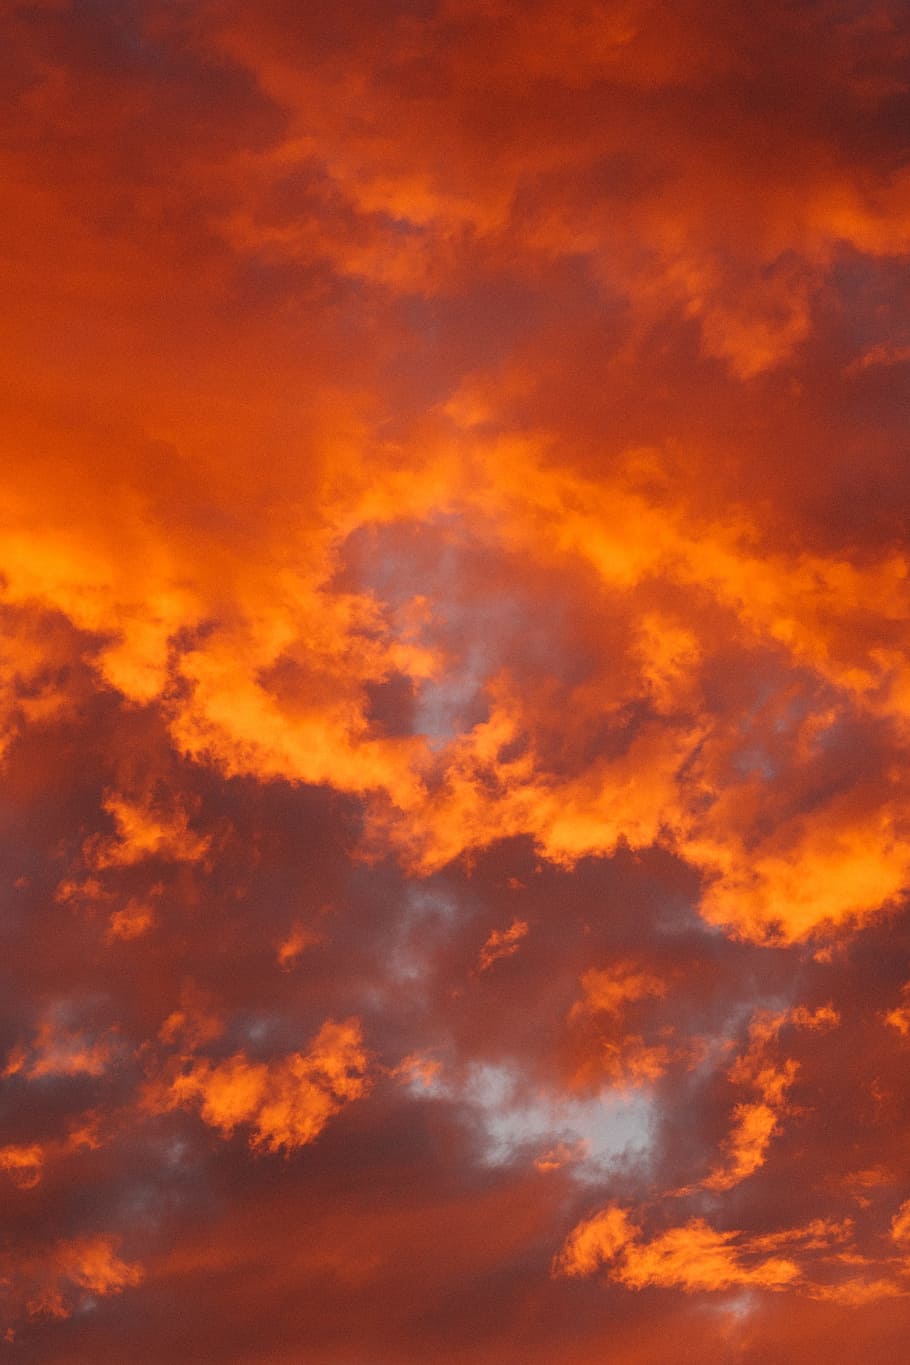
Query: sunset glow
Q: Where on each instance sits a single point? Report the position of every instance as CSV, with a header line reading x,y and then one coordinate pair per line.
x,y
454,684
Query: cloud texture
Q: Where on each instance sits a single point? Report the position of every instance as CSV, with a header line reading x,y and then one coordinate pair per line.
x,y
454,694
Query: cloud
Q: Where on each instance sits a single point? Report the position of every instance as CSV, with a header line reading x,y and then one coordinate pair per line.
x,y
144,833
22,1164
502,943
58,1050
755,1122
609,989
56,1282
693,1257
286,1102
899,1017
900,1224
452,510
132,921
696,1258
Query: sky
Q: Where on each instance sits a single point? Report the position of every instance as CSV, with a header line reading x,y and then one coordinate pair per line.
x,y
454,692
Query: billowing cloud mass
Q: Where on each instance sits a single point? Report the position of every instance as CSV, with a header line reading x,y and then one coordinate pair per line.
x,y
454,690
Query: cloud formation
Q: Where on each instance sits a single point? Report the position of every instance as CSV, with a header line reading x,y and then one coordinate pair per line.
x,y
454,696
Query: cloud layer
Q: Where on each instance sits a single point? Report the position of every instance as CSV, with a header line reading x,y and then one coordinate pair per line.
x,y
454,699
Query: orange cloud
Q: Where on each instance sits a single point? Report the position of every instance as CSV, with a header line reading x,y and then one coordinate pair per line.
x,y
451,472
755,1122
819,1020
416,1067
52,1283
596,1241
134,920
502,943
195,1023
23,1164
899,1017
93,1264
609,989
26,1163
603,1046
143,832
287,1103
694,1257
61,1051
900,1224
297,941
563,1154
857,1292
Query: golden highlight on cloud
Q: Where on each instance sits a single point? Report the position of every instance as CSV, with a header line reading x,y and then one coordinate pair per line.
x,y
692,1258
454,692
502,943
23,1165
696,1258
286,1103
58,1050
609,989
755,1122
65,1278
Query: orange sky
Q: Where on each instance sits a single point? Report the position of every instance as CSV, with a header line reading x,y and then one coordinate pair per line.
x,y
454,704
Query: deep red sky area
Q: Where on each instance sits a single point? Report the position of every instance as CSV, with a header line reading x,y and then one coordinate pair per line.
x,y
454,689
